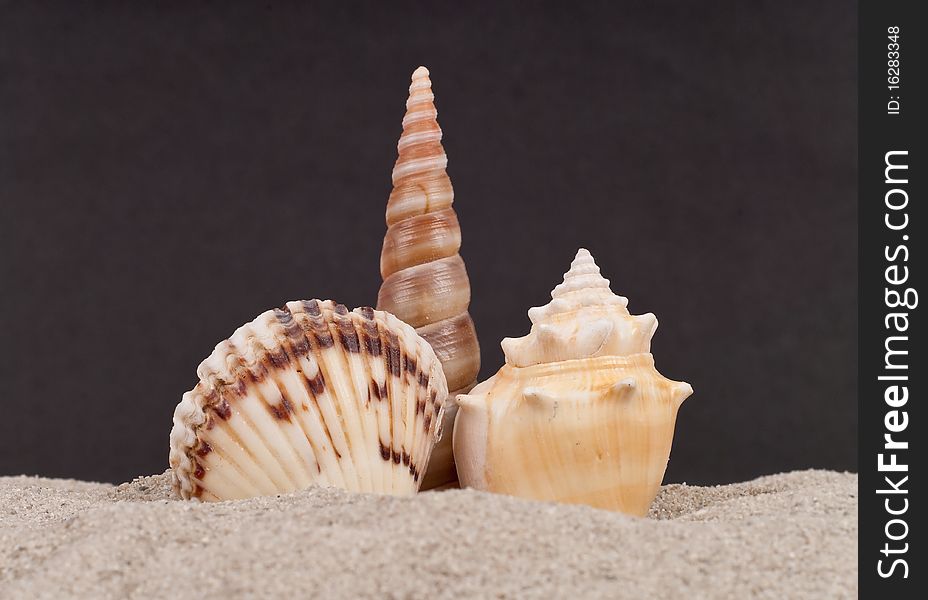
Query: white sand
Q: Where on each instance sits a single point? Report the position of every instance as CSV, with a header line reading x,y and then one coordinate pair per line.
x,y
785,536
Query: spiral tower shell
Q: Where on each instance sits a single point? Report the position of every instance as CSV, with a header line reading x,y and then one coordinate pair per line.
x,y
425,281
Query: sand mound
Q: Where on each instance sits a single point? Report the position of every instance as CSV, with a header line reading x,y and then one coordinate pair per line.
x,y
792,535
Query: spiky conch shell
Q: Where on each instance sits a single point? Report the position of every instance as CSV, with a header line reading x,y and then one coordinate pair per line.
x,y
310,394
425,282
578,413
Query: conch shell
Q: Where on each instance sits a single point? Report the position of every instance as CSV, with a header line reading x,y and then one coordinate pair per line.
x,y
578,413
310,394
424,280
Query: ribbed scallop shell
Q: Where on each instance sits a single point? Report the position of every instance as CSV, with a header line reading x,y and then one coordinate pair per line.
x,y
310,394
425,281
578,413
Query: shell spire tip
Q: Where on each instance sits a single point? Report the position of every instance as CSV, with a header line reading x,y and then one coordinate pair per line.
x,y
583,273
420,73
583,258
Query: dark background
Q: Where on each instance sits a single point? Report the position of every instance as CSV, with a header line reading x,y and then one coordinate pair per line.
x,y
167,173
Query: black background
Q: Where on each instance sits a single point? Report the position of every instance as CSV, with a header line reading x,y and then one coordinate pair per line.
x,y
167,173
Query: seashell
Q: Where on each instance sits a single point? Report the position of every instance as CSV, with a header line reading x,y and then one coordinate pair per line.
x,y
424,280
310,394
578,413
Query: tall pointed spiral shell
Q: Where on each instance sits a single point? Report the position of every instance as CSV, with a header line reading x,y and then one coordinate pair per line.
x,y
306,394
578,413
425,282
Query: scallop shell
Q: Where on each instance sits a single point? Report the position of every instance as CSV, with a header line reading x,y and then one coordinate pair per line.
x,y
424,279
578,413
310,394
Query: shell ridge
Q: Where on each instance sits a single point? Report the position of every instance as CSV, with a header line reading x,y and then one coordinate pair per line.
x,y
331,419
374,357
262,453
254,361
238,360
384,407
359,368
247,458
236,484
306,418
429,419
327,366
418,436
284,410
314,424
315,414
216,445
428,430
343,326
245,481
410,398
306,460
187,414
396,400
389,345
258,419
424,438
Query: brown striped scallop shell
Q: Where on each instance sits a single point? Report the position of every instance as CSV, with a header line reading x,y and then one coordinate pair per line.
x,y
424,279
310,394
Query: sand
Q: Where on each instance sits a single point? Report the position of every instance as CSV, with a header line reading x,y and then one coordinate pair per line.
x,y
785,536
